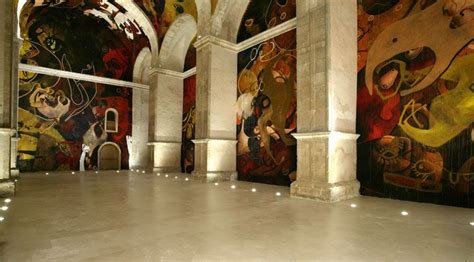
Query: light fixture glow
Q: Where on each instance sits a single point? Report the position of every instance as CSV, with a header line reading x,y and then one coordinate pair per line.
x,y
176,177
143,172
118,171
47,174
404,213
353,205
4,208
1,219
216,184
254,190
97,172
472,223
278,194
8,200
73,172
16,180
187,179
166,175
138,170
233,186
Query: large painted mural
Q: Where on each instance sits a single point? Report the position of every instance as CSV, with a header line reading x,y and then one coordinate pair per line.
x,y
265,14
189,124
62,122
266,111
415,104
85,36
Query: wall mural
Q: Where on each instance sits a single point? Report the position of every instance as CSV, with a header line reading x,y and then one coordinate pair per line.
x,y
189,124
415,104
56,37
265,14
60,120
266,111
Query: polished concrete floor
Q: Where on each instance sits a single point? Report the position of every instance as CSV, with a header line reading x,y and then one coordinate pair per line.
x,y
144,217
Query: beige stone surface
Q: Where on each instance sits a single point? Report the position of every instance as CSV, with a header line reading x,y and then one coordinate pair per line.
x,y
144,217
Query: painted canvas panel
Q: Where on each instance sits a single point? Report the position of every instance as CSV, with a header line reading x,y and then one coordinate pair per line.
x,y
62,122
266,111
265,14
415,100
83,36
189,124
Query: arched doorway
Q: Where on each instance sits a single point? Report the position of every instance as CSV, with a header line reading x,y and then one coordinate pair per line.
x,y
109,156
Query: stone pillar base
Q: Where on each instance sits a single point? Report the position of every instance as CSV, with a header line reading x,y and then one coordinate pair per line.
x,y
212,177
14,173
166,156
326,166
7,189
215,160
326,192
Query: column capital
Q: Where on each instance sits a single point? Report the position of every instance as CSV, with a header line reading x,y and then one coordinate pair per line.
x,y
4,131
209,39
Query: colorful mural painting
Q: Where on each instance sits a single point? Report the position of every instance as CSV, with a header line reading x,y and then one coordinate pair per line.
x,y
189,124
87,36
266,111
415,103
265,14
62,122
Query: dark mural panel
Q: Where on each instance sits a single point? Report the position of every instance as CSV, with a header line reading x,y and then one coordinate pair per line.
x,y
266,111
88,36
415,104
189,124
265,14
61,122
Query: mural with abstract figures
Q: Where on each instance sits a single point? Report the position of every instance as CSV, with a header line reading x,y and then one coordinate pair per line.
x,y
189,124
266,111
265,14
415,103
62,122
83,36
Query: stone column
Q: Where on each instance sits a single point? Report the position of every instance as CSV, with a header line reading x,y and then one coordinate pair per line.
x,y
8,73
327,78
139,155
216,95
166,113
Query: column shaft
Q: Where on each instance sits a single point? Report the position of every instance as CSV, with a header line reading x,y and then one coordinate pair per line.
x,y
327,77
166,112
216,73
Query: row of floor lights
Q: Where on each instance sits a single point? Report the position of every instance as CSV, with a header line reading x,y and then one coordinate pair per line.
x,y
253,190
4,208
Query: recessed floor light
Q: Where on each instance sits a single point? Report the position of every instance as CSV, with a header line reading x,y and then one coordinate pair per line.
x,y
8,200
143,172
472,223
176,177
4,208
233,186
216,184
353,205
47,174
166,175
187,179
278,194
404,213
1,219
73,173
254,190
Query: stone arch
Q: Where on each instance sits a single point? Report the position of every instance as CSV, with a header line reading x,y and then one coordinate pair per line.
x,y
141,68
176,43
204,10
227,18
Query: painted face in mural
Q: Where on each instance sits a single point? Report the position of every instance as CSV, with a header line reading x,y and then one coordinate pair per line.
x,y
415,103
